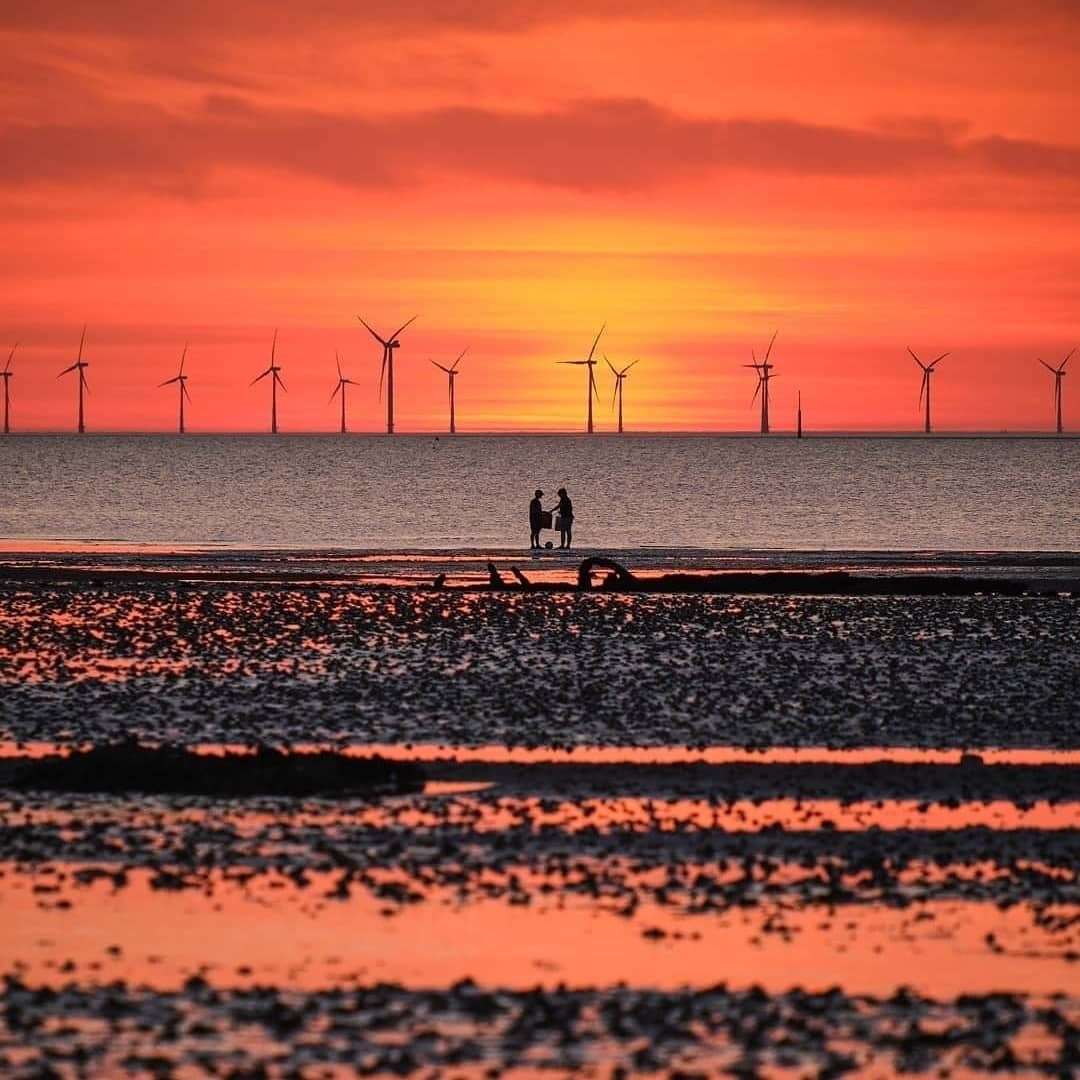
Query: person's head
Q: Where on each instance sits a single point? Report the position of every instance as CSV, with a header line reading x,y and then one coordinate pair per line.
x,y
539,494
562,491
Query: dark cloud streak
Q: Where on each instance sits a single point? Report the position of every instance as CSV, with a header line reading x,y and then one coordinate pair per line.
x,y
596,145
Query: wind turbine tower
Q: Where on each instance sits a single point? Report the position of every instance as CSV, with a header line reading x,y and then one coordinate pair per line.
x,y
452,374
342,382
181,381
620,376
274,371
590,390
1058,373
764,373
6,376
798,417
389,345
924,388
80,366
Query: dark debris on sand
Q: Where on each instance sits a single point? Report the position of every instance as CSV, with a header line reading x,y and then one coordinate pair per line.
x,y
386,1029
128,767
686,867
232,665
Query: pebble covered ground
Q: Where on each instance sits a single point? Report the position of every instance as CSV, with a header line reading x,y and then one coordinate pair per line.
x,y
333,664
754,918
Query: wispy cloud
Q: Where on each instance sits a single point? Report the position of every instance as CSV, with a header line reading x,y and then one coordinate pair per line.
x,y
596,145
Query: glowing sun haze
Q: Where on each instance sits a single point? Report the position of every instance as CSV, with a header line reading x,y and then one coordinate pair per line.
x,y
697,175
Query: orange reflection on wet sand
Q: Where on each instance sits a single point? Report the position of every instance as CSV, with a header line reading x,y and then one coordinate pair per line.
x,y
449,804
274,932
628,755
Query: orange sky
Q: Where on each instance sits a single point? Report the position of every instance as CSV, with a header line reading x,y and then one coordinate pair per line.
x,y
516,174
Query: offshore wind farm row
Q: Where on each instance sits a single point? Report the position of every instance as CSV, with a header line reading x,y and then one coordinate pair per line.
x,y
764,370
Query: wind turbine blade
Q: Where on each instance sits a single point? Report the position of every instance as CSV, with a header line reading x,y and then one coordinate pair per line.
x,y
67,369
7,366
1053,371
1063,362
337,390
441,367
184,390
629,366
938,360
597,341
82,340
611,365
183,357
915,358
757,390
575,363
592,384
337,360
922,385
372,333
281,382
769,349
402,327
273,349
382,374
82,379
259,378
615,392
453,366
169,382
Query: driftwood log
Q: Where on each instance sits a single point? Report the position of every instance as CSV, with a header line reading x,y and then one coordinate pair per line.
x,y
623,579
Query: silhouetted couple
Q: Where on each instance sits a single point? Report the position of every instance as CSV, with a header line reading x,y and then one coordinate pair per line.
x,y
539,518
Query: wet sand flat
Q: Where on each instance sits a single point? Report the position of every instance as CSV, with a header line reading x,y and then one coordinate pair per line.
x,y
658,835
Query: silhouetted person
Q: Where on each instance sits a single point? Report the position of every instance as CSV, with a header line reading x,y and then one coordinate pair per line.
x,y
565,510
536,519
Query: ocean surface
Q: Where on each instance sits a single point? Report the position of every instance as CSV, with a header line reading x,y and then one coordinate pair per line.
x,y
471,492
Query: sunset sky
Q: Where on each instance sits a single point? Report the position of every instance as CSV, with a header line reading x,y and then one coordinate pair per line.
x,y
515,175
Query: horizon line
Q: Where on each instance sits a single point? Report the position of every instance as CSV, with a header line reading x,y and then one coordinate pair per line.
x,y
791,433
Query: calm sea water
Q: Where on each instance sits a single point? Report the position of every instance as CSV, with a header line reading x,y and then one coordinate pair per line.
x,y
407,492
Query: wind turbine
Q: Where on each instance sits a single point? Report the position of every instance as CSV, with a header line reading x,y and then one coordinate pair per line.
x,y
619,377
388,346
80,366
181,381
764,374
452,373
6,376
798,416
924,388
342,382
1058,373
274,371
590,363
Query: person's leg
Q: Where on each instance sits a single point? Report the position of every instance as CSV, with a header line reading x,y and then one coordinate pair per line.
x,y
569,535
